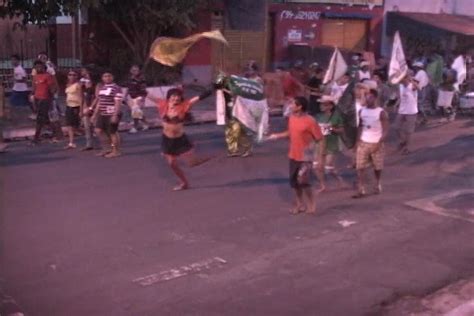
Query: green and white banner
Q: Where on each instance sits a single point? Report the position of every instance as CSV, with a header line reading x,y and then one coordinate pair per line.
x,y
246,88
249,104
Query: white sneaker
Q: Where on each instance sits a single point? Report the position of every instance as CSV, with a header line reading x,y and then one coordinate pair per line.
x,y
145,127
133,130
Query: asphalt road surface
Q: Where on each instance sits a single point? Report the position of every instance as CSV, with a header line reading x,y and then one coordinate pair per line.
x,y
83,235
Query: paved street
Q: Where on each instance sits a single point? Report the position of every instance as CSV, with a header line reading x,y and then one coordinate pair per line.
x,y
83,235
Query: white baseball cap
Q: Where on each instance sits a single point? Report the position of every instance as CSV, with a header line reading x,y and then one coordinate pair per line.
x,y
418,64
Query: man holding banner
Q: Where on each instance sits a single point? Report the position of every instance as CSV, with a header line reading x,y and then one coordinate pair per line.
x,y
399,73
242,108
405,121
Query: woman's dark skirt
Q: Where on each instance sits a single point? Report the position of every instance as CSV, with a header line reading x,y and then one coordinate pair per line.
x,y
176,146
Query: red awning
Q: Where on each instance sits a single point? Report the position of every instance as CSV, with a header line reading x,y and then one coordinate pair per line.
x,y
458,24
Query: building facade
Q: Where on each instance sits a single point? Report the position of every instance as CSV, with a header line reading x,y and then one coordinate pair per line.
x,y
294,30
444,25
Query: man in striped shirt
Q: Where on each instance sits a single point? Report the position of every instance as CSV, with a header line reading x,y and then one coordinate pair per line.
x,y
107,115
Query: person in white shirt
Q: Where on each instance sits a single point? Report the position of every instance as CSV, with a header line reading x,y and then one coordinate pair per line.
x,y
373,130
19,96
50,67
339,87
364,71
405,121
423,81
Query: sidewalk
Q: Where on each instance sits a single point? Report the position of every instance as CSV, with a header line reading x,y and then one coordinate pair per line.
x,y
456,299
20,127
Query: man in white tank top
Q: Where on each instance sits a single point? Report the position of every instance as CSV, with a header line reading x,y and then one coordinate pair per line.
x,y
373,129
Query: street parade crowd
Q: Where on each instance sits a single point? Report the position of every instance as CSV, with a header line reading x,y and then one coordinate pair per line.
x,y
349,113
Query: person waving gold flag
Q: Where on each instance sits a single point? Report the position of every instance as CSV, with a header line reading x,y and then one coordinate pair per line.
x,y
171,51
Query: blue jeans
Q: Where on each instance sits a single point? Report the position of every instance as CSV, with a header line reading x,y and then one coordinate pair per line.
x,y
19,98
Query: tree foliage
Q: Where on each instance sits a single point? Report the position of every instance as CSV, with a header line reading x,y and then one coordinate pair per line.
x,y
137,22
39,12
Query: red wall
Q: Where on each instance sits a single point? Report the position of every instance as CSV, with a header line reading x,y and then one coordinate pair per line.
x,y
200,53
27,41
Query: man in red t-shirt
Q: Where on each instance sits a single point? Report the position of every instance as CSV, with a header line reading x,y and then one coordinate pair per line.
x,y
303,131
43,90
292,88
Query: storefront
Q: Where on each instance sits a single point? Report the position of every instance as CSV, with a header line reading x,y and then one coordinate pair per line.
x,y
293,30
302,26
425,32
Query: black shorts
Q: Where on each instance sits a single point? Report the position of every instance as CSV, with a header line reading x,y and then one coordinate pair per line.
x,y
175,146
43,107
72,116
300,174
104,123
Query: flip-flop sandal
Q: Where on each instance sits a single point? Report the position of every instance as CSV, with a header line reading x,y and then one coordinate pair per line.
x,y
181,187
295,211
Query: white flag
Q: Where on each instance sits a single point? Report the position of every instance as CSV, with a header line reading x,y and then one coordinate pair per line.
x,y
220,107
459,65
253,114
398,64
337,67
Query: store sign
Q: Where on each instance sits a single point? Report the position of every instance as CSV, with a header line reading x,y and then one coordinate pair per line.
x,y
300,15
295,35
348,2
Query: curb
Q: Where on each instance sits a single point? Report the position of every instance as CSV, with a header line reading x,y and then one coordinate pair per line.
x,y
25,133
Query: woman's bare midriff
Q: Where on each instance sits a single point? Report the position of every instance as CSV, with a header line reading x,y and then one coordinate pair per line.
x,y
173,130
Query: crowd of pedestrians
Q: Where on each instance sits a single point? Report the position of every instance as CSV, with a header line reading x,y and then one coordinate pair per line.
x,y
352,114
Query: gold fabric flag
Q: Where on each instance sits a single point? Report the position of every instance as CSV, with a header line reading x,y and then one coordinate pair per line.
x,y
171,51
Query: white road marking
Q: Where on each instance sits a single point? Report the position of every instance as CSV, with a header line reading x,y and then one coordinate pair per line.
x,y
346,223
429,205
180,272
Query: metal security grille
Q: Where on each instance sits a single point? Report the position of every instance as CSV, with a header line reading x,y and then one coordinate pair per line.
x,y
243,46
345,33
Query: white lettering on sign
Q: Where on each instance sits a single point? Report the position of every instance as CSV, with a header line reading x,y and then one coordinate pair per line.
x,y
300,15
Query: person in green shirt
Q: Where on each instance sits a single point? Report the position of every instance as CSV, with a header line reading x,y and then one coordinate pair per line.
x,y
332,125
